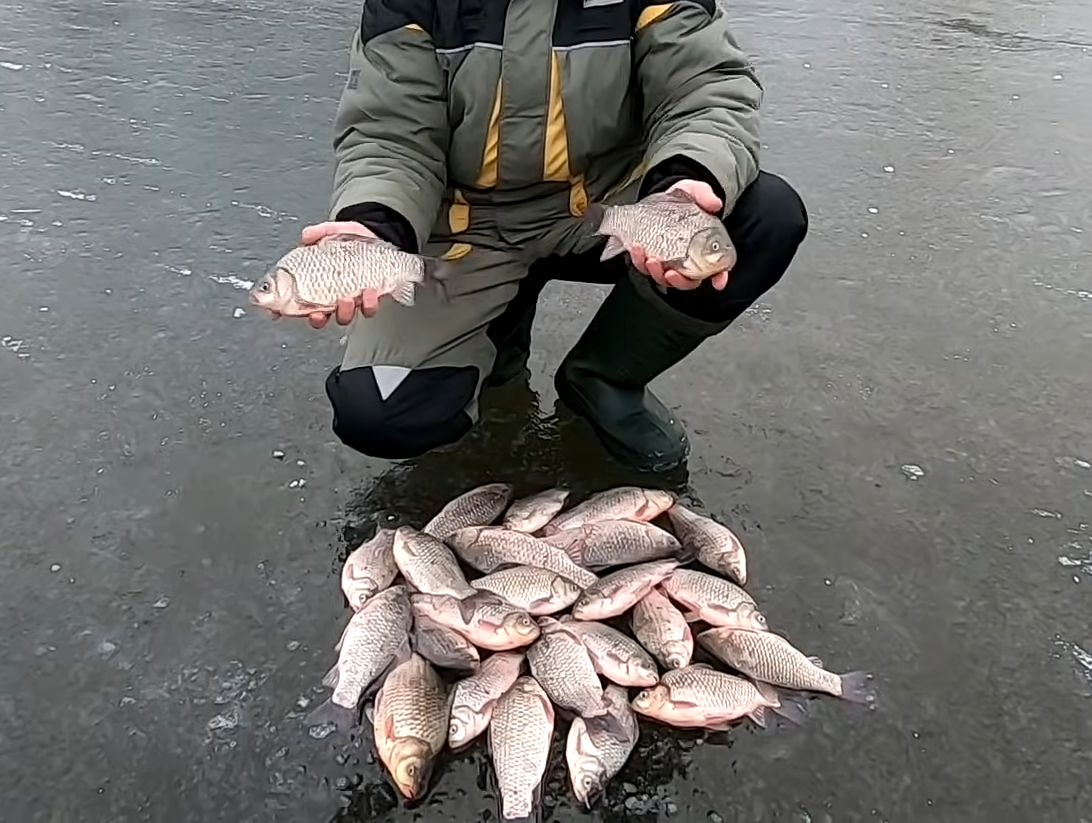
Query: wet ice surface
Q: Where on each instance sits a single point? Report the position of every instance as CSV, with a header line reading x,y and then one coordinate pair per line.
x,y
170,590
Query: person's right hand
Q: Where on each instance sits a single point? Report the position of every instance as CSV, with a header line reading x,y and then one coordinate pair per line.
x,y
368,301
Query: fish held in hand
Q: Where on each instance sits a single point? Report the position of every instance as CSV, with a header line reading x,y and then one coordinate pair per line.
x,y
443,647
609,543
312,278
490,548
428,564
410,720
619,591
529,514
715,545
373,639
670,227
621,503
662,629
538,591
596,751
617,657
474,698
369,569
478,507
773,659
717,601
485,619
519,741
562,666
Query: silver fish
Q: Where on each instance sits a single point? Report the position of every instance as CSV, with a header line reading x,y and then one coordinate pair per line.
x,y
609,543
410,721
699,697
369,569
443,647
370,643
428,564
312,278
716,545
478,507
662,629
485,619
717,601
488,548
773,659
622,503
474,698
619,591
529,514
538,591
519,740
561,664
670,227
617,657
596,751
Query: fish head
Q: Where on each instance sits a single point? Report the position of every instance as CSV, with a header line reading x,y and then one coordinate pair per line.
x,y
587,778
275,291
411,766
464,539
564,589
748,616
362,590
676,655
466,724
519,626
649,701
710,251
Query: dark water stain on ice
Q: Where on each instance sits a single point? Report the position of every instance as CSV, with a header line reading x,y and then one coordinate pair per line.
x,y
885,429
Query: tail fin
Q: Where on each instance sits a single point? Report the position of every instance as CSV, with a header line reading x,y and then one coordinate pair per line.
x,y
792,709
343,719
593,216
856,688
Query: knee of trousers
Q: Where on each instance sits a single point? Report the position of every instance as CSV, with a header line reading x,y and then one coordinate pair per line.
x,y
426,410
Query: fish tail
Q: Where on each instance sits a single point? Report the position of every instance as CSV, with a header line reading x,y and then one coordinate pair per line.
x,y
758,715
593,216
685,554
856,687
342,718
792,709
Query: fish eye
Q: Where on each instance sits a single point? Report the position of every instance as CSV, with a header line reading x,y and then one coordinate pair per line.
x,y
264,286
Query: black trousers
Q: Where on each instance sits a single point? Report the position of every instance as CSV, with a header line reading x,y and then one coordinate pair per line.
x,y
767,225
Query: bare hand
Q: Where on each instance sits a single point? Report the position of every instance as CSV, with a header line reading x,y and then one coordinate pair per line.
x,y
368,301
707,199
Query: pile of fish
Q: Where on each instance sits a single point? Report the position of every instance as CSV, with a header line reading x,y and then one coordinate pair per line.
x,y
464,628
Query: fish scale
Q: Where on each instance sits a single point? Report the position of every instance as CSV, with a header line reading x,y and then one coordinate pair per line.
x,y
474,698
596,753
478,507
538,590
621,503
615,543
519,740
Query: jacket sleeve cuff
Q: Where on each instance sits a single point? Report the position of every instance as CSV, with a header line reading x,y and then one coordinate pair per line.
x,y
675,169
385,222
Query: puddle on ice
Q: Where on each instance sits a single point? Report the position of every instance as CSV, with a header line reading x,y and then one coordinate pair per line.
x,y
77,195
232,280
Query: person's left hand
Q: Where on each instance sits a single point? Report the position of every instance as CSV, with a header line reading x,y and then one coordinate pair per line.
x,y
705,197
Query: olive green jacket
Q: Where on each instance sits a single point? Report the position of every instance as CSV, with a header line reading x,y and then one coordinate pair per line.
x,y
481,115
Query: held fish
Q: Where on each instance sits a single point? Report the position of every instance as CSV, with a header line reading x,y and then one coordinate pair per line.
x,y
474,698
410,721
716,545
490,548
771,658
312,278
717,601
621,503
372,640
519,740
619,591
596,751
670,227
617,657
662,629
529,514
609,543
428,564
485,619
478,507
538,591
369,569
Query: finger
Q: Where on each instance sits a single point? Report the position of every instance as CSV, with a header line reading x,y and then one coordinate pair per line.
x,y
346,308
312,234
656,271
679,281
710,202
637,257
720,280
369,302
317,319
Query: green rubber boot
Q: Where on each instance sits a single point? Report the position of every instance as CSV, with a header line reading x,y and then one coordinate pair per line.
x,y
634,337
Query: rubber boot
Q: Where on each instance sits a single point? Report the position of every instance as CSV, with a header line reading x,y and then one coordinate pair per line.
x,y
634,337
